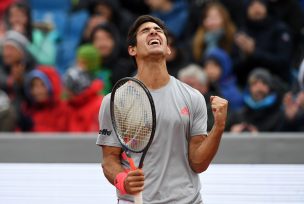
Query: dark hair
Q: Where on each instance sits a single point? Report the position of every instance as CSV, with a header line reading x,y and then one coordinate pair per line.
x,y
131,38
108,27
27,10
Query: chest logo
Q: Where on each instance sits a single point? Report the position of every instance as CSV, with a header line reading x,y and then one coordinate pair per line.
x,y
184,111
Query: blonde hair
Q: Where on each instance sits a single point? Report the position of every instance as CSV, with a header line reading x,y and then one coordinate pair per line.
x,y
228,27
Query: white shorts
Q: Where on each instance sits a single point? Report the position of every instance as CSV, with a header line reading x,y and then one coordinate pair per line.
x,y
124,202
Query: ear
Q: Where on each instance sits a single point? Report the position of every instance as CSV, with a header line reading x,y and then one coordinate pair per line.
x,y
132,51
168,50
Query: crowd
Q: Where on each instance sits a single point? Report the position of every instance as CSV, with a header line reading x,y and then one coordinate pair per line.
x,y
59,58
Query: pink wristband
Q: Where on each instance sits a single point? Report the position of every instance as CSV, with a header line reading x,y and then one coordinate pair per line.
x,y
119,182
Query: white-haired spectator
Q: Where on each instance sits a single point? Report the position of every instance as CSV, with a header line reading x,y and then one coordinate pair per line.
x,y
194,76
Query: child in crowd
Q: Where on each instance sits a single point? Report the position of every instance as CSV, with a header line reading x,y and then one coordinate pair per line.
x,y
45,108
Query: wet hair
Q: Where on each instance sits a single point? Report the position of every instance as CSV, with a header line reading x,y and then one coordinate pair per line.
x,y
131,38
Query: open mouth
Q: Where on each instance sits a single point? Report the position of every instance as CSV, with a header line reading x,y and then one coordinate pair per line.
x,y
154,42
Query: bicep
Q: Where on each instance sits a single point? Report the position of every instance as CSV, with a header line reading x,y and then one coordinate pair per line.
x,y
194,143
110,153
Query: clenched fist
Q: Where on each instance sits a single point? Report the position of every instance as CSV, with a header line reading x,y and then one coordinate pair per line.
x,y
219,109
134,183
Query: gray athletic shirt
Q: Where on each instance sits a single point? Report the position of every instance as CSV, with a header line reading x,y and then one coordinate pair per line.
x,y
180,113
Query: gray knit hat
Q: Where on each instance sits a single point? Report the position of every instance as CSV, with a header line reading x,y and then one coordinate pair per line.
x,y
260,74
77,80
17,40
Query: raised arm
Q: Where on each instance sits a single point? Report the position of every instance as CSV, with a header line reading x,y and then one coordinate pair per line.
x,y
202,149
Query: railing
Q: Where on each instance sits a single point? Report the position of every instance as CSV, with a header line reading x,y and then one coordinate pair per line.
x,y
263,148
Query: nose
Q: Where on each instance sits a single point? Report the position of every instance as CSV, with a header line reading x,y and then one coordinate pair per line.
x,y
152,31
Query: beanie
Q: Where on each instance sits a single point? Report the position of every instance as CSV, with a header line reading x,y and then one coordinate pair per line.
x,y
262,75
91,57
17,40
77,80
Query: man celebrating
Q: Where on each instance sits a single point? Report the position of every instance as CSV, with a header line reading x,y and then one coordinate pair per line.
x,y
180,149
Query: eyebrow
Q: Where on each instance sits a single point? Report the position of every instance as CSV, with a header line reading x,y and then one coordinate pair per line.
x,y
149,28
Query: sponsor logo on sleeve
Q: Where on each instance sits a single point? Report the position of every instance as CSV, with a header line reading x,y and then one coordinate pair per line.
x,y
105,132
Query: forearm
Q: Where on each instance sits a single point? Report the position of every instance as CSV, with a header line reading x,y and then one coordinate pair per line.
x,y
203,153
111,166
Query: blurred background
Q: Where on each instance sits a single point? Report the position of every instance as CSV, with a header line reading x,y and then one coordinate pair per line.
x,y
59,58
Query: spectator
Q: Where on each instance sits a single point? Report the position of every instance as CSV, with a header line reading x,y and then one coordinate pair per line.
x,y
262,111
17,61
294,105
83,99
195,76
43,39
173,13
7,114
291,14
45,108
218,67
90,60
216,31
18,18
106,39
263,42
107,11
234,8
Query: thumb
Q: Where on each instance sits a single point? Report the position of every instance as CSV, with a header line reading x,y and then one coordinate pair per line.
x,y
211,98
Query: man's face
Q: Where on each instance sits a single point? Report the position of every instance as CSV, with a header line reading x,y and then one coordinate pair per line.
x,y
151,40
257,11
11,54
39,90
258,90
104,42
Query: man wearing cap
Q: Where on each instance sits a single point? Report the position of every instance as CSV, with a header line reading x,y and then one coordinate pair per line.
x,y
262,105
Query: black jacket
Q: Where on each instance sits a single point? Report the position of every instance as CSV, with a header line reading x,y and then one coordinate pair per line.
x,y
273,46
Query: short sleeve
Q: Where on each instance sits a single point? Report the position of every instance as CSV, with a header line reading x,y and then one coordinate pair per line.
x,y
200,116
106,134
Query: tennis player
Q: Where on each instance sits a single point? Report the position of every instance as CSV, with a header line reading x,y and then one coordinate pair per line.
x,y
181,148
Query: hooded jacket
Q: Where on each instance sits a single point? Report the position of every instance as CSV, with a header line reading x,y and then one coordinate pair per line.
x,y
51,115
227,82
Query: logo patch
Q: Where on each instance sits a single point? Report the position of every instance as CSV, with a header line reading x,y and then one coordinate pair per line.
x,y
105,132
184,111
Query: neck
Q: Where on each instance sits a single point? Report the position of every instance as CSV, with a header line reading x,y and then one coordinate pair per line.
x,y
153,73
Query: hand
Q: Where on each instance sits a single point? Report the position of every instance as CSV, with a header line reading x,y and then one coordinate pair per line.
x,y
300,99
291,107
245,43
219,109
238,128
134,183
